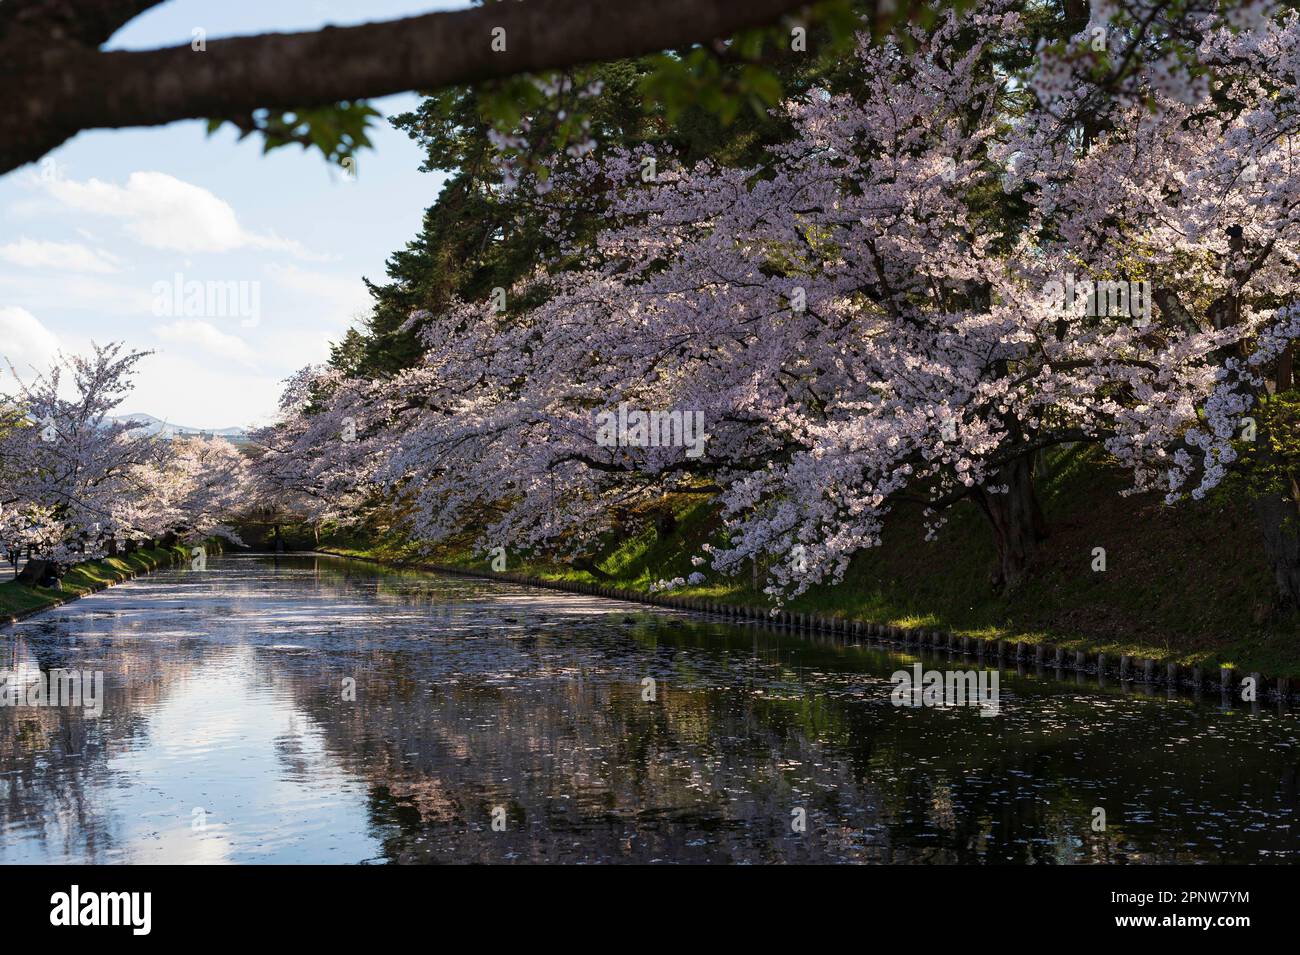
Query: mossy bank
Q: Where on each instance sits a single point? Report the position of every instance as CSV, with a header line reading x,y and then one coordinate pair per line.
x,y
1187,585
18,601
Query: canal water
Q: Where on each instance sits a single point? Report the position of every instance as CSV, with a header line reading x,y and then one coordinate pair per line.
x,y
318,710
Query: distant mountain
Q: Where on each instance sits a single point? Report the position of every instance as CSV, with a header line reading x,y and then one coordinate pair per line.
x,y
154,425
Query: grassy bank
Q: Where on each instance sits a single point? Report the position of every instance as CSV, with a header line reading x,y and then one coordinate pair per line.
x,y
1187,584
17,600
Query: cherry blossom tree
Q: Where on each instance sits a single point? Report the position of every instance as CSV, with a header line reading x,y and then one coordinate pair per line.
x,y
948,269
76,483
1199,196
313,464
67,467
187,493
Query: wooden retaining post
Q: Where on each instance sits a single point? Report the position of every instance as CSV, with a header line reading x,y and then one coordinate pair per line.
x,y
1125,665
1148,670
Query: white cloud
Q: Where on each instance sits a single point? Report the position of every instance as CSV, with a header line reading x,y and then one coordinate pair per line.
x,y
24,341
62,256
102,296
346,295
209,339
163,212
202,393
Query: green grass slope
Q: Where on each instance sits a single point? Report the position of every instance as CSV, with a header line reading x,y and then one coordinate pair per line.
x,y
18,600
1188,584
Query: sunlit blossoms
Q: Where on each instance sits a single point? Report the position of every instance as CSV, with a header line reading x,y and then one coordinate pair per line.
x,y
873,312
75,484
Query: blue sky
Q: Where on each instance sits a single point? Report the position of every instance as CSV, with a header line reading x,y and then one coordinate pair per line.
x,y
94,238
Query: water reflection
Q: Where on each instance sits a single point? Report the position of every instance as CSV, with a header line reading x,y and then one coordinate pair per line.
x,y
230,734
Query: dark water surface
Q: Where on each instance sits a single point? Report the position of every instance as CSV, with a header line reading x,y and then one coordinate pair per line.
x,y
226,737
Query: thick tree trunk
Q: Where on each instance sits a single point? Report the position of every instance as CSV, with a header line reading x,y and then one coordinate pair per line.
x,y
34,572
1278,507
589,565
279,541
1278,511
1279,520
1017,523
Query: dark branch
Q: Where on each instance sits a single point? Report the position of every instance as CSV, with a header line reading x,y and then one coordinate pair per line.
x,y
61,86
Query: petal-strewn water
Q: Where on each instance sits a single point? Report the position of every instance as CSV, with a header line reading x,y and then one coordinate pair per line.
x,y
311,709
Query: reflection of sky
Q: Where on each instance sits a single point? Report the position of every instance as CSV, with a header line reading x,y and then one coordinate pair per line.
x,y
226,741
215,743
222,692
